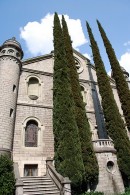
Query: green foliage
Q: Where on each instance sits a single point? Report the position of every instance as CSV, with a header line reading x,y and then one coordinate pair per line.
x,y
7,180
88,155
93,193
121,84
127,191
114,123
68,157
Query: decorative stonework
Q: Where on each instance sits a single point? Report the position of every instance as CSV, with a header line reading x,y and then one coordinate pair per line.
x,y
78,66
12,58
37,135
103,145
33,84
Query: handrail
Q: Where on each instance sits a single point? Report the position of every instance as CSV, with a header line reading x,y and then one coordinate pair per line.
x,y
16,171
63,183
19,182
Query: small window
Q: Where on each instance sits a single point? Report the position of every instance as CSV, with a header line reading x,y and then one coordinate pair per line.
x,y
110,166
30,170
31,134
83,94
11,112
33,88
14,88
3,51
18,54
10,51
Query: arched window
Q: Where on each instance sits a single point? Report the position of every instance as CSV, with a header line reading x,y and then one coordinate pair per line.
x,y
31,134
10,51
83,94
33,88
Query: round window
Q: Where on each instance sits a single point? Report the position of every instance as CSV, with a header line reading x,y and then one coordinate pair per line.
x,y
78,66
110,166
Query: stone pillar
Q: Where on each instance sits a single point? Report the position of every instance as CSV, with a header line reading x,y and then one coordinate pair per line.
x,y
67,186
10,66
19,187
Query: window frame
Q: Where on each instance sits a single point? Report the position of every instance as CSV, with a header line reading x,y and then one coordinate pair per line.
x,y
33,97
35,127
39,135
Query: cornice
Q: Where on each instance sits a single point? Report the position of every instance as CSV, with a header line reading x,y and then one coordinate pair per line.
x,y
13,58
37,72
36,59
34,105
81,55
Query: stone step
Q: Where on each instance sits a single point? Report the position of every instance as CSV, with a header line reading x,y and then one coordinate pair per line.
x,y
41,192
38,189
39,186
37,193
35,178
38,183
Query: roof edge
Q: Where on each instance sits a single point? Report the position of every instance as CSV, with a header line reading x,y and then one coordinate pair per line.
x,y
36,59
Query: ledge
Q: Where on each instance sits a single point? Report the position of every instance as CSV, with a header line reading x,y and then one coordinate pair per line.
x,y
103,145
35,105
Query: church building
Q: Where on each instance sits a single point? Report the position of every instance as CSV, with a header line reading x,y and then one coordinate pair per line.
x,y
26,129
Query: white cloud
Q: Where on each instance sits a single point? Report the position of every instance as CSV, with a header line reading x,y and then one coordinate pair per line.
x,y
127,43
87,56
125,61
39,35
109,73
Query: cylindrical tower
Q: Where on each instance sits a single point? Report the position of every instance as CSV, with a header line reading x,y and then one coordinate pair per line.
x,y
126,75
10,65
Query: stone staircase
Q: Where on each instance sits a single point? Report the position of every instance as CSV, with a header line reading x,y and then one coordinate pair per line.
x,y
39,186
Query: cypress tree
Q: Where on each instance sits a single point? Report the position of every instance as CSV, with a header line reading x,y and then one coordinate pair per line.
x,y
88,155
114,123
121,84
68,157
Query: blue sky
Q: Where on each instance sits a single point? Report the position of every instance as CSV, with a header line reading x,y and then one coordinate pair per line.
x,y
30,22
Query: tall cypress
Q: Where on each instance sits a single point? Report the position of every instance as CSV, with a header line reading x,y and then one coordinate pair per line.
x,y
68,157
114,123
121,84
88,155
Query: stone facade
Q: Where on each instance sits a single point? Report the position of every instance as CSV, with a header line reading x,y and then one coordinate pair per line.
x,y
26,95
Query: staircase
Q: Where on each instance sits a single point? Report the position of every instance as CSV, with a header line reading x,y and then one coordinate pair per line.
x,y
39,186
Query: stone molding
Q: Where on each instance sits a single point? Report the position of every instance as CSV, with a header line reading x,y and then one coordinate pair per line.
x,y
37,72
103,145
13,58
35,105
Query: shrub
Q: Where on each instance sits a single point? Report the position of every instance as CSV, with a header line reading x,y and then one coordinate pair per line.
x,y
7,180
93,193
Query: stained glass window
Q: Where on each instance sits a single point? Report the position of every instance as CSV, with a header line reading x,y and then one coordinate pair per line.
x,y
31,134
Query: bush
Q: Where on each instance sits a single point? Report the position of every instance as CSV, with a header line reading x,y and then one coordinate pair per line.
x,y
7,179
127,191
93,193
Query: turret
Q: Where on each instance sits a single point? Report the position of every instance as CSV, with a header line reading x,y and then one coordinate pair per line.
x,y
126,75
10,65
